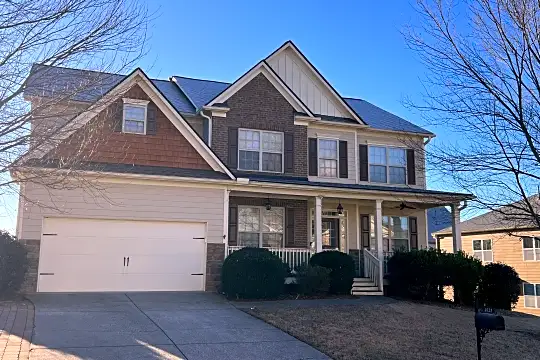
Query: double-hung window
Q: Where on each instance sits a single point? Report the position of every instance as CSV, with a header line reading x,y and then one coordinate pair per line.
x,y
395,231
387,165
259,227
328,157
531,294
531,248
134,119
482,250
260,150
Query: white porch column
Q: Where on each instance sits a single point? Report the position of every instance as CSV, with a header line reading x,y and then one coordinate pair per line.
x,y
318,223
379,240
456,227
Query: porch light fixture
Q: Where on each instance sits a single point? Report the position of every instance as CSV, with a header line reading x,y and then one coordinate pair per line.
x,y
268,205
340,208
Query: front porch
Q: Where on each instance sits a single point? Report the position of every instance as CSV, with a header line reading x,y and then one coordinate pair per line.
x,y
296,227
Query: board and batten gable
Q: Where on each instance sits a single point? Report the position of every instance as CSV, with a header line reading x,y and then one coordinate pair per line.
x,y
301,80
507,249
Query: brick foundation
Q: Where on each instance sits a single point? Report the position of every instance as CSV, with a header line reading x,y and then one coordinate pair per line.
x,y
30,281
215,254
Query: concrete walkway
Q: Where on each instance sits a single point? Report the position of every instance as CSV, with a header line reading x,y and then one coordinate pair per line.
x,y
16,323
188,326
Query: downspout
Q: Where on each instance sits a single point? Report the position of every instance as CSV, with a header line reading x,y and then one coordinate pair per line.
x,y
462,207
427,141
209,119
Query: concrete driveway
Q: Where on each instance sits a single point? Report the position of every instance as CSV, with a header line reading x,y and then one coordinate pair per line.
x,y
191,326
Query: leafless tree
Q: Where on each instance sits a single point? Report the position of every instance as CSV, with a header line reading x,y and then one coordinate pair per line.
x,y
37,35
483,85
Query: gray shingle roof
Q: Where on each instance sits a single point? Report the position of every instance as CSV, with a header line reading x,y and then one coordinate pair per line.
x,y
438,218
88,86
381,119
200,91
510,217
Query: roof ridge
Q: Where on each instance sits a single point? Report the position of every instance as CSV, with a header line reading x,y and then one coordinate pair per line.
x,y
192,78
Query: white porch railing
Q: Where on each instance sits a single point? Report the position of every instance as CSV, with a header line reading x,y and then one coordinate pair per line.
x,y
294,257
371,267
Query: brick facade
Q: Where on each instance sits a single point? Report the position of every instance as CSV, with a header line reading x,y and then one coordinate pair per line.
x,y
167,147
300,216
215,254
259,105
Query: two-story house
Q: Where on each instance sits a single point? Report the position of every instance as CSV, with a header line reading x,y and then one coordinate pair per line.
x,y
497,237
190,170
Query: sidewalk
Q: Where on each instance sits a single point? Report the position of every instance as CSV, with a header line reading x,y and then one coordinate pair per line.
x,y
16,324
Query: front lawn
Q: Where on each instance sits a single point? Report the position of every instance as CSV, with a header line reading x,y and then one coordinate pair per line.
x,y
402,330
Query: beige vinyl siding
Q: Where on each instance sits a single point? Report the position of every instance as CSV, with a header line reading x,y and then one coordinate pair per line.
x,y
351,154
124,201
507,249
366,137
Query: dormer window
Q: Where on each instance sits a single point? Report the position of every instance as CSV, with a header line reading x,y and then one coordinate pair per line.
x,y
135,116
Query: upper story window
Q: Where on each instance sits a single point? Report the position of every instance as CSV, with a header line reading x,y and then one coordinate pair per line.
x,y
259,227
260,150
482,250
387,165
328,157
531,248
134,118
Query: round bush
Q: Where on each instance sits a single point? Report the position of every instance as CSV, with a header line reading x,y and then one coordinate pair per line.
x,y
499,286
342,270
253,273
13,263
313,280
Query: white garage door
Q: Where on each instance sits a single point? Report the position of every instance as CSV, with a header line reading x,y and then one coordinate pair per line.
x,y
116,255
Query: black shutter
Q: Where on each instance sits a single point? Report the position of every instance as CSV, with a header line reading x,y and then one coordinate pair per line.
x,y
363,162
343,160
365,231
413,232
289,227
289,153
151,121
117,116
312,156
233,225
411,169
233,148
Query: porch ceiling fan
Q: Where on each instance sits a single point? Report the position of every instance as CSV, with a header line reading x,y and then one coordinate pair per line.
x,y
403,206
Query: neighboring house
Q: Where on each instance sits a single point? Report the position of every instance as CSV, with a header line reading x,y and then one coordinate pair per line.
x,y
438,219
493,237
195,169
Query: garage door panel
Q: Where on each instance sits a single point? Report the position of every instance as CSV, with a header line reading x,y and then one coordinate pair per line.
x,y
157,282
88,254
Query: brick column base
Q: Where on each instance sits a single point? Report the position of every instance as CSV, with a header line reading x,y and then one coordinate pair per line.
x,y
215,254
29,284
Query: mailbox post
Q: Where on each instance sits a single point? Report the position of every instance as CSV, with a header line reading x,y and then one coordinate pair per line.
x,y
485,321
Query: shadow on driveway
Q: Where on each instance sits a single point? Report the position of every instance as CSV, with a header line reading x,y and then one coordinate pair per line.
x,y
190,326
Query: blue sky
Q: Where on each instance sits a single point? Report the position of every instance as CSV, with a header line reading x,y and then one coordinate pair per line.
x,y
356,45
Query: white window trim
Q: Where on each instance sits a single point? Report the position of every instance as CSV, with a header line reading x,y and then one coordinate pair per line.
x,y
261,232
533,249
482,250
135,103
311,234
537,303
390,237
319,157
387,165
260,151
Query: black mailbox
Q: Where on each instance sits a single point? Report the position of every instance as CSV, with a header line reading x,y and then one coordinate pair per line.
x,y
488,321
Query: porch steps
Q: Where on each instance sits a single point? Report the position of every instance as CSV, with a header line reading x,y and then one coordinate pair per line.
x,y
365,287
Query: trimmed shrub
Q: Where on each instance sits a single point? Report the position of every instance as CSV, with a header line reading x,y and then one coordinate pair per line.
x,y
313,280
341,267
13,263
421,274
253,273
499,287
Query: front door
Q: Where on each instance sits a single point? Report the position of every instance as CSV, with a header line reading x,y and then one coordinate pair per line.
x,y
330,233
